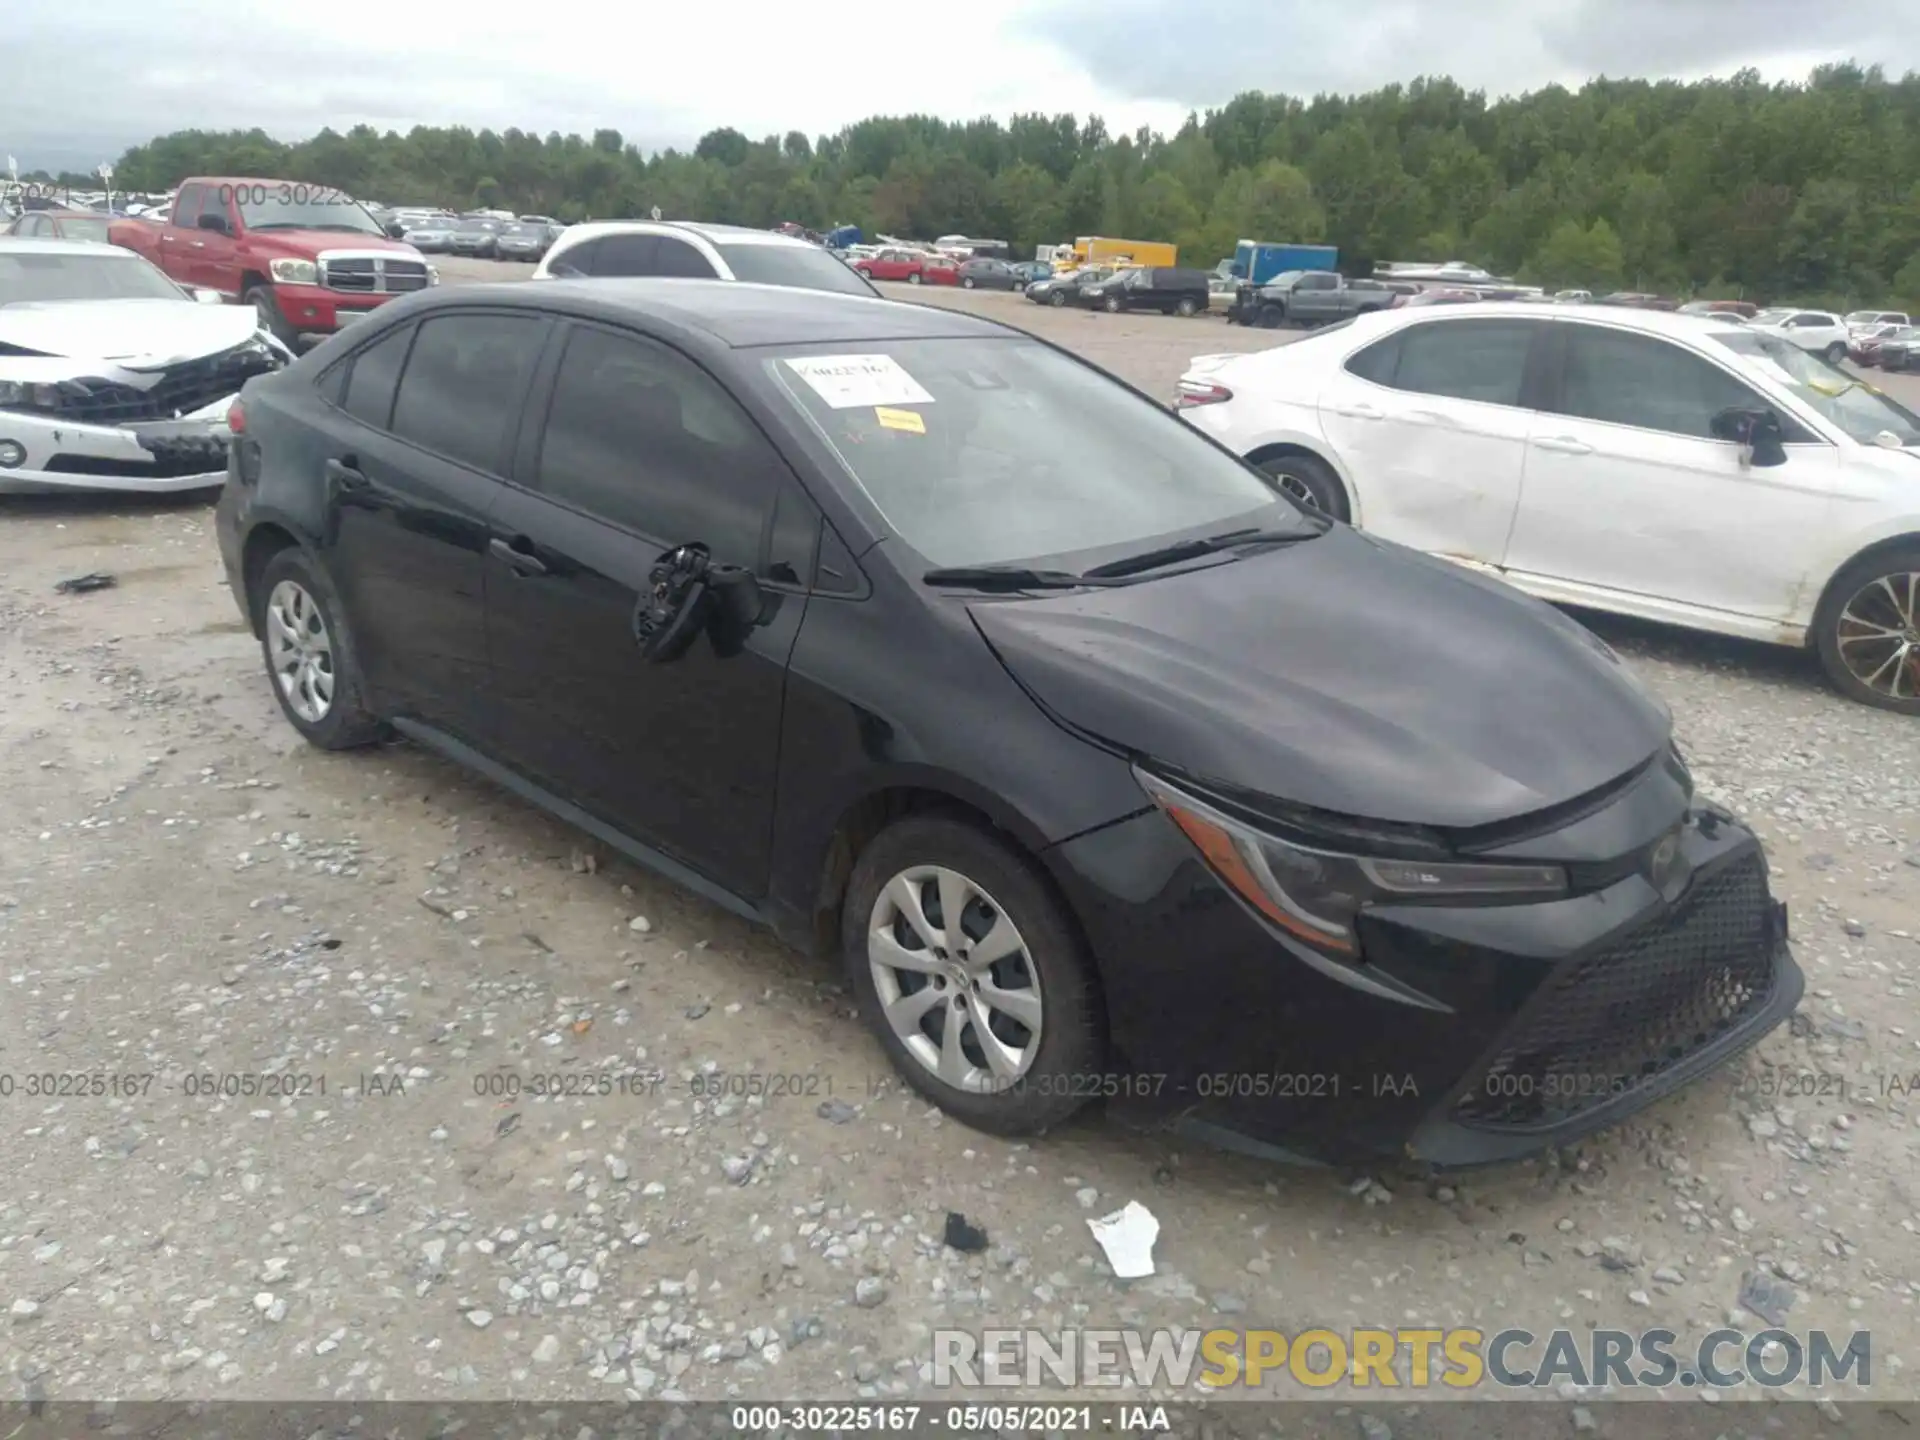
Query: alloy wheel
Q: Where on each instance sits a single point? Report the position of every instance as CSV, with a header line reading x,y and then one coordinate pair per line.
x,y
954,978
1294,486
300,651
1878,634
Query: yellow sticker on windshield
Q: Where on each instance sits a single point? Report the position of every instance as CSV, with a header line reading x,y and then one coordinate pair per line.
x,y
1827,389
907,420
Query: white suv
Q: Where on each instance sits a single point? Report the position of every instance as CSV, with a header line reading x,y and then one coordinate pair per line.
x,y
1817,330
1673,467
697,252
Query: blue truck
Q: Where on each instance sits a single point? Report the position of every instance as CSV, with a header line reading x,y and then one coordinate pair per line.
x,y
1255,262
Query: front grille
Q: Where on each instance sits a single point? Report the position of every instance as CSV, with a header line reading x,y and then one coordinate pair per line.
x,y
1610,1023
180,390
171,460
366,275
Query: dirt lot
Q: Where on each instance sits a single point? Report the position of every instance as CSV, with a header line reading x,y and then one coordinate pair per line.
x,y
188,892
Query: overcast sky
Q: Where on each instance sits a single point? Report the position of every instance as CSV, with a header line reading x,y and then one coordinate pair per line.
x,y
83,79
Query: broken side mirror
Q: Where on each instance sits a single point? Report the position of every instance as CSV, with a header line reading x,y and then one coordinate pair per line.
x,y
1756,432
687,593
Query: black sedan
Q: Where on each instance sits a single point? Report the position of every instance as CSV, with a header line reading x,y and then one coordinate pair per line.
x,y
1106,770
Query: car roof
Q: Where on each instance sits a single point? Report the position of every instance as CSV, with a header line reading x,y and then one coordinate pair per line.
x,y
1625,317
712,234
735,313
52,245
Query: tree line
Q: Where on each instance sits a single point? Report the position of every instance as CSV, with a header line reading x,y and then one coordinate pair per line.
x,y
1737,187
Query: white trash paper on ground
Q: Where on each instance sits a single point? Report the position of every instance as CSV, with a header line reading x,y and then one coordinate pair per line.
x,y
1127,1236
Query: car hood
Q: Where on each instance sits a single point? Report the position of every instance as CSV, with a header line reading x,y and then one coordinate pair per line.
x,y
1341,673
135,334
309,243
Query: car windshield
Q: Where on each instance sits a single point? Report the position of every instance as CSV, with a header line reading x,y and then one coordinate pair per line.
x,y
529,231
1866,317
958,444
34,277
479,227
1859,410
301,207
800,267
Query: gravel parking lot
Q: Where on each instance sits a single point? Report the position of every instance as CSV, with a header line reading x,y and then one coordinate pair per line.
x,y
393,955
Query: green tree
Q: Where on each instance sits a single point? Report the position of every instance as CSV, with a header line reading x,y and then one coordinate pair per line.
x,y
1579,256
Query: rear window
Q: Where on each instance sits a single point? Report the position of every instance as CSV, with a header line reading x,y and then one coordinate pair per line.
x,y
803,267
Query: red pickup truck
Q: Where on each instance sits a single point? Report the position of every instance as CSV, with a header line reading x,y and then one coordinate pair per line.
x,y
307,257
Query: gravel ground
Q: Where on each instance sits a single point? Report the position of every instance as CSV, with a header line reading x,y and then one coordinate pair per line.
x,y
187,890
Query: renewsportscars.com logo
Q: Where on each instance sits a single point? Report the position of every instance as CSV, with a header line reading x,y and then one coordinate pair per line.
x,y
1415,1359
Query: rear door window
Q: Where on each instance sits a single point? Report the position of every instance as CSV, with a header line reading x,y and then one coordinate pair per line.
x,y
575,260
1483,360
626,255
464,383
676,257
374,376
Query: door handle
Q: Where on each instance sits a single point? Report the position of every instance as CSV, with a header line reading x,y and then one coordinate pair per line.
x,y
521,562
1356,412
347,475
1428,417
1564,445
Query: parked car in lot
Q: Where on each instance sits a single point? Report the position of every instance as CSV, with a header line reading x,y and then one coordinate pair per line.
x,y
1816,330
61,225
1863,346
1441,295
1028,272
989,274
309,259
1677,468
432,236
678,250
791,597
1874,319
522,240
477,235
907,266
111,376
1900,350
1166,288
1064,289
1310,297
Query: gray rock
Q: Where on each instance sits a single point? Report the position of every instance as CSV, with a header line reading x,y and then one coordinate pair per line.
x,y
838,1112
479,1319
547,1351
737,1169
24,1309
1583,1419
1372,1428
869,1291
617,1168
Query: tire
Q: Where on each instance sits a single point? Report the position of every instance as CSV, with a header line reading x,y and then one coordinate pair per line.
x,y
966,282
1111,305
261,297
295,595
866,275
910,863
1186,306
1057,298
1270,317
914,278
1309,480
1863,666
1835,353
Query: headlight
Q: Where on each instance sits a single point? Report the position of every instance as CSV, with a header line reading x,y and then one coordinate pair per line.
x,y
1316,895
25,395
294,272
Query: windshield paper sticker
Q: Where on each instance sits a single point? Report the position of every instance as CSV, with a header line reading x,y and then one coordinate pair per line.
x,y
906,420
852,382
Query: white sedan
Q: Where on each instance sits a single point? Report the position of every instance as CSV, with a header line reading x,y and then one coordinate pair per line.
x,y
111,376
1673,467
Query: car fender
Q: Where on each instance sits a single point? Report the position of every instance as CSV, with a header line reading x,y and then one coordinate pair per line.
x,y
1840,551
1289,423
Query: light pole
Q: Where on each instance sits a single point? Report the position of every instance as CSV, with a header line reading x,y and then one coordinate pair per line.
x,y
106,174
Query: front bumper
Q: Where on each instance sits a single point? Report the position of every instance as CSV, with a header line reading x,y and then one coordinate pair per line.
x,y
147,457
312,310
1471,1034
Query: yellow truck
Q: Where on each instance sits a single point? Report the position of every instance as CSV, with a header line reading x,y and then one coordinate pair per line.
x,y
1104,250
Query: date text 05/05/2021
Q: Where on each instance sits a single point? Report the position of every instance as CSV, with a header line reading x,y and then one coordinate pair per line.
x,y
1011,1418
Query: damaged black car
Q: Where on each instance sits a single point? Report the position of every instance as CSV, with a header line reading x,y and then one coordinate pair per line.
x,y
1108,773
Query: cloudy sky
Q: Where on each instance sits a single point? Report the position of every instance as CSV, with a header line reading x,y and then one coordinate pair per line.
x,y
85,78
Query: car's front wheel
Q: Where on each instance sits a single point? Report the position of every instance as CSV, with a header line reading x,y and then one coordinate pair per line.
x,y
1836,352
971,974
967,281
1058,297
310,654
914,278
266,309
1868,632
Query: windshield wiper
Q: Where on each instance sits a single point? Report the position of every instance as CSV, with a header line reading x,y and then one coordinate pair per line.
x,y
1005,577
1194,549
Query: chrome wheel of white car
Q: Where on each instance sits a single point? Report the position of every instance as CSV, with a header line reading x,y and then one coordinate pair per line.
x,y
300,651
1878,636
954,978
